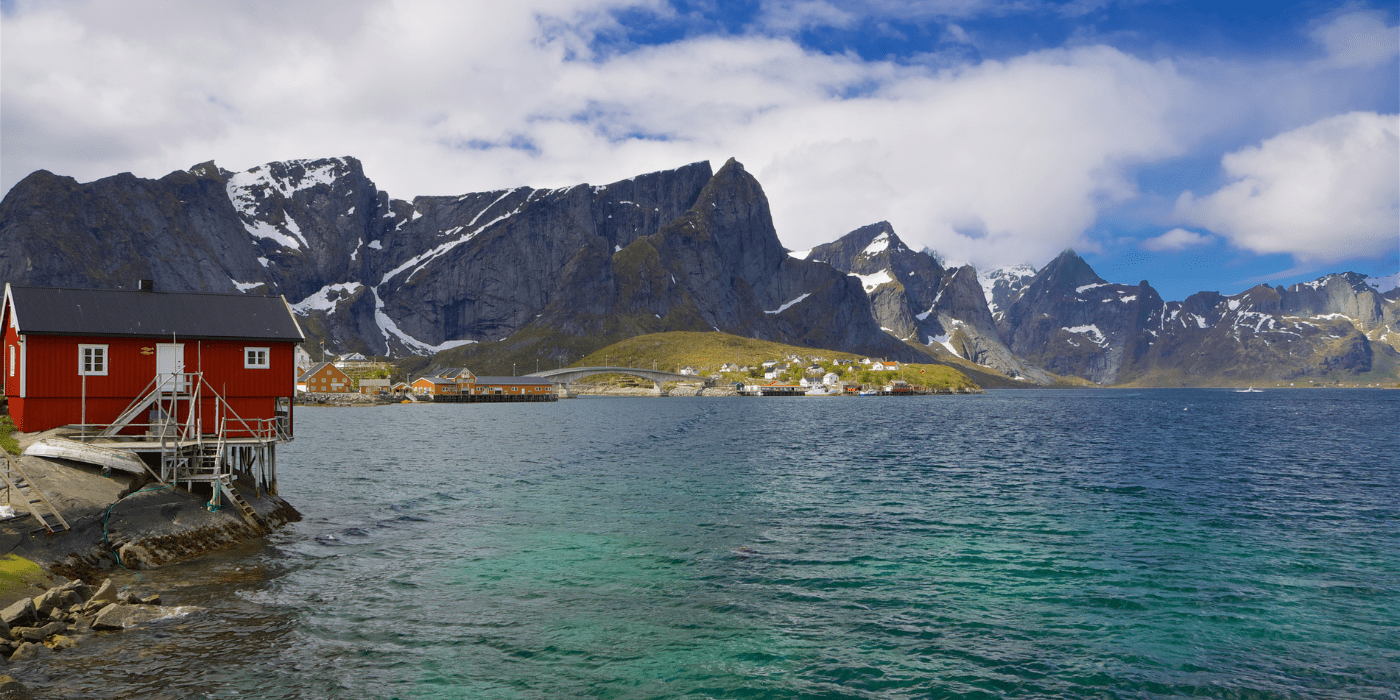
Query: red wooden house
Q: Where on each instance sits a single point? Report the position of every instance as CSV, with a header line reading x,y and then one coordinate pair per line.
x,y
79,356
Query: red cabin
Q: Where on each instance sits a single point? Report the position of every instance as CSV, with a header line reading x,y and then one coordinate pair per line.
x,y
85,357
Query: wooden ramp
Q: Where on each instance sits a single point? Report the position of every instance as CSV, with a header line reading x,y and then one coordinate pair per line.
x,y
33,498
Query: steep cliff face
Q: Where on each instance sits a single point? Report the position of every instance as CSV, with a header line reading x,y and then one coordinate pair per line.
x,y
1070,321
684,249
915,298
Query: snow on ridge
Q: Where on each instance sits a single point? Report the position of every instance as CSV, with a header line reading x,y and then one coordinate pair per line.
x,y
1090,330
375,244
1087,287
799,254
326,298
422,259
245,286
788,305
870,282
1383,284
263,261
989,279
388,328
878,245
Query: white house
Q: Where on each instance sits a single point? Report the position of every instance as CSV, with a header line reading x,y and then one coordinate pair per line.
x,y
729,367
689,370
831,379
771,374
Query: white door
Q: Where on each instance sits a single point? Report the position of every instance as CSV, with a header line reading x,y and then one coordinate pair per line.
x,y
170,359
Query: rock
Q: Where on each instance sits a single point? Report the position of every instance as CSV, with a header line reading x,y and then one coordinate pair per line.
x,y
11,689
151,600
5,631
29,650
120,616
21,613
61,642
106,593
39,634
129,598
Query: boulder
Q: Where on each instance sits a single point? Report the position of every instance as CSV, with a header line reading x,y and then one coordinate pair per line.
x,y
151,600
60,641
29,650
106,593
4,631
21,613
11,689
38,634
121,615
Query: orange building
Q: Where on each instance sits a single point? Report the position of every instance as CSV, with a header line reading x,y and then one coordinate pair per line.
x,y
326,378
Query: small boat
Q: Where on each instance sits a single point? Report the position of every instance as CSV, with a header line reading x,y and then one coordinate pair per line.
x,y
1250,390
869,393
820,391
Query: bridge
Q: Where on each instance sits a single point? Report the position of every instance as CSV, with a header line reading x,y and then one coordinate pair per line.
x,y
565,376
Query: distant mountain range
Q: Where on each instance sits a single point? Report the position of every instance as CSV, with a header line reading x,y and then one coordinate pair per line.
x,y
559,273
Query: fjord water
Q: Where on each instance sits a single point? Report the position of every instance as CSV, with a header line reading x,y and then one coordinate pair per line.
x,y
1017,544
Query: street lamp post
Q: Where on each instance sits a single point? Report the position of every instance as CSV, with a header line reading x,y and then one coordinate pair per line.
x,y
512,369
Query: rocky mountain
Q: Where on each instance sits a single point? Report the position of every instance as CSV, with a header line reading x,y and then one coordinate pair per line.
x,y
558,273
1068,320
918,300
685,249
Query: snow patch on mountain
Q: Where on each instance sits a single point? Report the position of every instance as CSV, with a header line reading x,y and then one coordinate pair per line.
x,y
391,332
788,305
1384,284
326,298
870,282
878,245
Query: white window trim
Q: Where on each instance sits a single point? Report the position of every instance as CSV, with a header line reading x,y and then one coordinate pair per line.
x,y
13,360
267,357
106,360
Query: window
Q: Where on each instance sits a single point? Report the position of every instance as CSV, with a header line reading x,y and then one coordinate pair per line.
x,y
92,360
12,360
255,358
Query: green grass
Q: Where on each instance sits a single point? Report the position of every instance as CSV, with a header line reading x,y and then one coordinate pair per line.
x,y
708,351
7,438
17,576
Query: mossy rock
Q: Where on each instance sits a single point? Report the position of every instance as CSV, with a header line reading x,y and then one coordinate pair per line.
x,y
18,576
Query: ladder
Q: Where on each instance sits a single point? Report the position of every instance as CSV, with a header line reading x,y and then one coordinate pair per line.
x,y
225,484
35,500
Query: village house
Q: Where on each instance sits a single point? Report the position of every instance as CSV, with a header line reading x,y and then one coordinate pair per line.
x,y
831,379
435,386
325,378
690,371
374,386
729,367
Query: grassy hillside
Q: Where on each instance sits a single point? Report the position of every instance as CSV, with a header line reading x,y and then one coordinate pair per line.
x,y
708,351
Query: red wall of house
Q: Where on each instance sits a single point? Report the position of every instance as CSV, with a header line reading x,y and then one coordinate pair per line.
x,y
54,388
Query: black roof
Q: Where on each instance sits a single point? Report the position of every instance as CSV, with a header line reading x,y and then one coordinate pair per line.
x,y
195,316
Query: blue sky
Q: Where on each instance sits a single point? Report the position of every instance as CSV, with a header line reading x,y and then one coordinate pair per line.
x,y
1196,145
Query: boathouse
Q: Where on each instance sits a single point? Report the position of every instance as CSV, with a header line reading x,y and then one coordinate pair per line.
x,y
82,356
190,388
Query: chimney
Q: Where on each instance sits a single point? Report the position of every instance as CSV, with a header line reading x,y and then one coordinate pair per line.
x,y
146,285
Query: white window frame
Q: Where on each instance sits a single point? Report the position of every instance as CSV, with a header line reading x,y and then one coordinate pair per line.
x,y
83,363
12,362
266,357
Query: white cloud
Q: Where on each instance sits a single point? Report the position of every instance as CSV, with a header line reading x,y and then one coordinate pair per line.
x,y
1177,239
1325,192
992,163
1357,40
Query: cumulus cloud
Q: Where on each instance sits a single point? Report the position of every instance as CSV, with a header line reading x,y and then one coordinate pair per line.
x,y
991,163
1357,39
1324,192
1175,240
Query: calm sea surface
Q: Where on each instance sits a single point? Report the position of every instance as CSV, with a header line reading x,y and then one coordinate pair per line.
x,y
1018,544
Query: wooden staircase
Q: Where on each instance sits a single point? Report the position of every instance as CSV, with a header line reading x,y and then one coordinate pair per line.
x,y
225,485
34,499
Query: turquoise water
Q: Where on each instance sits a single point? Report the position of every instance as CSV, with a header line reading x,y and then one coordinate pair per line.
x,y
1102,544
